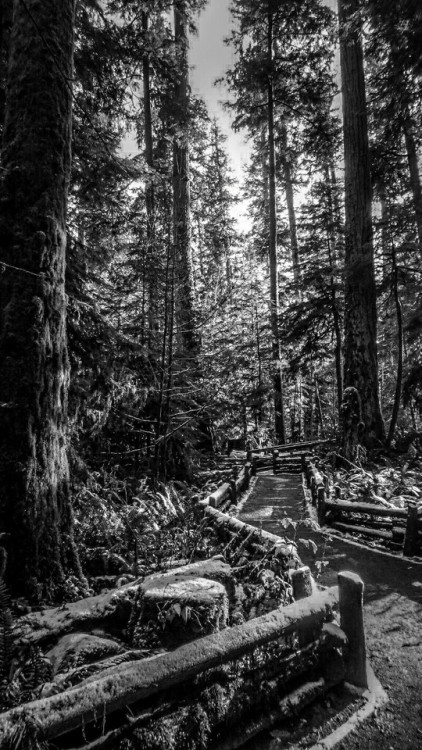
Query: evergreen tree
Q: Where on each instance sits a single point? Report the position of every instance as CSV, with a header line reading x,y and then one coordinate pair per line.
x,y
360,340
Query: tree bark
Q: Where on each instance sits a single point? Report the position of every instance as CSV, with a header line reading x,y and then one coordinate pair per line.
x,y
149,190
279,421
415,178
6,8
185,303
35,505
399,375
288,186
360,339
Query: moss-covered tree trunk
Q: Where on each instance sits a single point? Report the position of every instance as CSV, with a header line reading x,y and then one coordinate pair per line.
x,y
360,339
35,505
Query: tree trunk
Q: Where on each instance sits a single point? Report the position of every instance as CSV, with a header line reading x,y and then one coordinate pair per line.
x,y
35,506
360,340
149,193
332,242
399,376
279,421
288,186
415,179
6,8
384,227
188,338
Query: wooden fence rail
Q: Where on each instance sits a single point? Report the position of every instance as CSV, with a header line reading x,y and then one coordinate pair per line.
x,y
400,527
249,667
287,447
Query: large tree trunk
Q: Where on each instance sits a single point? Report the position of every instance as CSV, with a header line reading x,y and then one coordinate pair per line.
x,y
360,340
188,337
34,479
279,421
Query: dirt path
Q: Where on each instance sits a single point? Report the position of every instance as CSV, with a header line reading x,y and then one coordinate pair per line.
x,y
393,610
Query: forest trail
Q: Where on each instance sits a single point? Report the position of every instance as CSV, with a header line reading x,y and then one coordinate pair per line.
x,y
392,611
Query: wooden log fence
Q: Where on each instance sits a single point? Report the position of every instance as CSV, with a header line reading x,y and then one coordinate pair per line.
x,y
250,667
401,528
287,447
276,462
230,491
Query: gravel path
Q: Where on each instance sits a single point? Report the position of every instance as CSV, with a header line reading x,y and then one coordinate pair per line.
x,y
393,610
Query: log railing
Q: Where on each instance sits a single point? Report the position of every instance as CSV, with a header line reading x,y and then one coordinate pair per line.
x,y
289,447
400,527
226,686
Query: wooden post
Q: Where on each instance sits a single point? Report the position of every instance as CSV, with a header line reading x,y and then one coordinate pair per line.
x,y
249,456
321,505
351,622
253,471
308,472
275,456
233,492
410,538
301,582
247,476
313,490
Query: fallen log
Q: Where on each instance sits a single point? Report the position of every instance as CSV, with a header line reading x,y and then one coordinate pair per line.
x,y
109,610
224,521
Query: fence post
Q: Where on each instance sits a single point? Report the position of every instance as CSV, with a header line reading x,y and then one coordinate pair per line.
x,y
249,456
410,537
307,472
247,475
253,470
233,492
301,582
275,456
321,505
313,490
351,622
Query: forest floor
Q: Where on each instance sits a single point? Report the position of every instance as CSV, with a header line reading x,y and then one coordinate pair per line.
x,y
392,612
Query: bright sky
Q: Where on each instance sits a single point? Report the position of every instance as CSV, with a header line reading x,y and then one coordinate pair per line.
x,y
210,58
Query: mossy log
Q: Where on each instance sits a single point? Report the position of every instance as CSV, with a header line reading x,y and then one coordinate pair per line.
x,y
110,610
225,525
131,683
